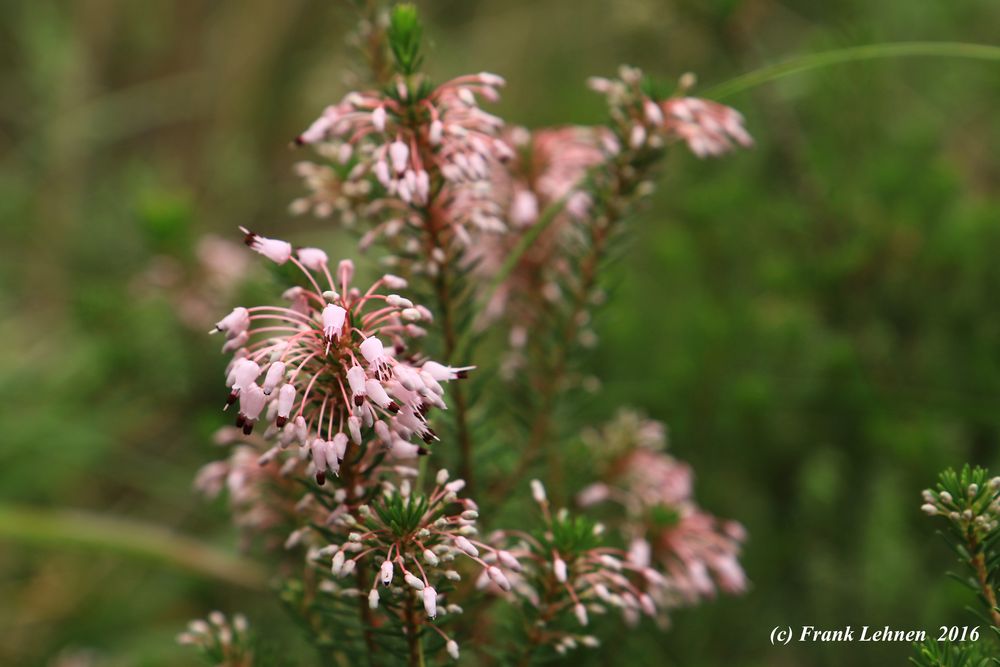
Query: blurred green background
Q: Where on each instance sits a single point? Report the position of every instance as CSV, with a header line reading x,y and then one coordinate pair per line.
x,y
816,319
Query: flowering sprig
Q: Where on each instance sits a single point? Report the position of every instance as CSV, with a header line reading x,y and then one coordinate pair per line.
x,y
412,542
970,501
567,277
696,551
569,574
221,641
319,370
334,389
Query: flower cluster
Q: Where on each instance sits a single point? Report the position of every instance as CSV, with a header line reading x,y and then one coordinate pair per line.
x,y
411,542
408,155
569,573
708,128
222,641
663,524
968,499
334,386
549,166
320,368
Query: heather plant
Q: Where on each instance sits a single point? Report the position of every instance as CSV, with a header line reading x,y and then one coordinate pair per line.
x,y
352,398
969,503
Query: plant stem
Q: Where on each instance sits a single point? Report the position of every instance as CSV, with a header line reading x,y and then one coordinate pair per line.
x,y
361,576
414,645
537,632
979,567
552,378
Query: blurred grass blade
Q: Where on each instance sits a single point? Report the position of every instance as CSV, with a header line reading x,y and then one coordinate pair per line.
x,y
64,528
509,263
852,54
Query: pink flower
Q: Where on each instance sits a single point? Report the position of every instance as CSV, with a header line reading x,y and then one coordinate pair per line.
x,y
325,366
278,252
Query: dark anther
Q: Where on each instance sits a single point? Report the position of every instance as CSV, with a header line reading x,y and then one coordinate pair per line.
x,y
280,421
393,408
247,428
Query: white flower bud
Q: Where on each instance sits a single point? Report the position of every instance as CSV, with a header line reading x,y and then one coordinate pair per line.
x,y
466,546
430,601
559,567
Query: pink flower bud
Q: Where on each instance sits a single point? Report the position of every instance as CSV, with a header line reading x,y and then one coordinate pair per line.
x,y
372,349
386,572
435,132
559,568
275,374
286,398
377,394
538,492
345,271
465,545
394,282
277,251
236,342
234,323
399,153
354,427
339,446
442,373
252,402
430,601
378,119
244,373
507,559
318,450
524,209
413,582
313,259
498,577
333,321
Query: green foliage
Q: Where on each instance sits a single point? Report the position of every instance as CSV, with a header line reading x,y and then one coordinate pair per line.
x,y
946,654
823,308
569,534
403,515
405,35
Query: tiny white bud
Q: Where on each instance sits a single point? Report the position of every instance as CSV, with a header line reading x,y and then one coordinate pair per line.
x,y
559,567
538,491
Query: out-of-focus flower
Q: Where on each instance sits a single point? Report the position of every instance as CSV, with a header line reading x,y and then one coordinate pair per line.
x,y
225,642
708,128
549,165
196,290
663,525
